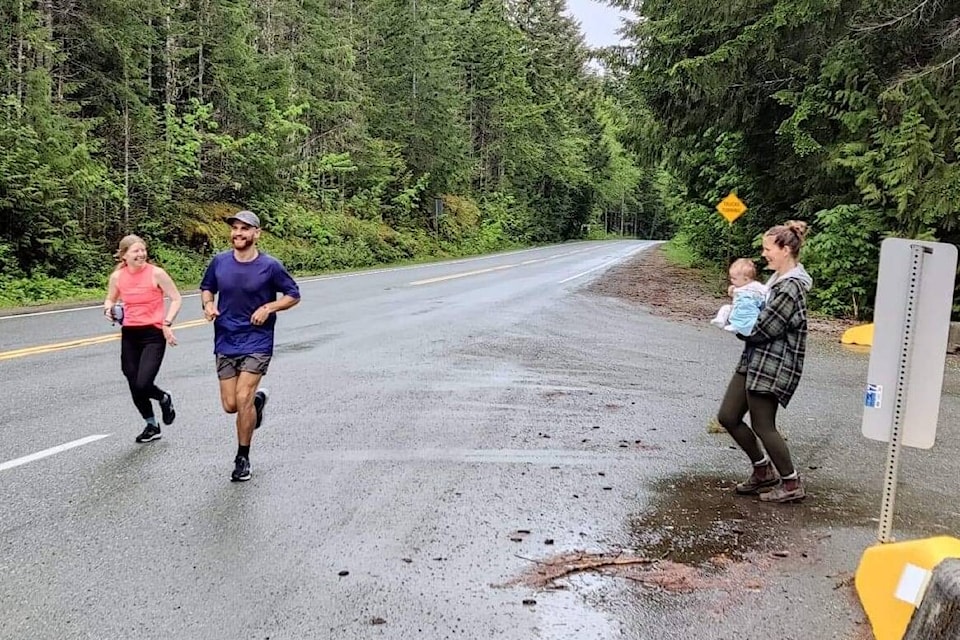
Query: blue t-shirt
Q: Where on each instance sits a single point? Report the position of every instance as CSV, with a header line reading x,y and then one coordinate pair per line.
x,y
243,287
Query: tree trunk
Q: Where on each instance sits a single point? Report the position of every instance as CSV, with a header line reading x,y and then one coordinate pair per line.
x,y
201,21
172,52
268,27
126,166
20,47
150,62
169,65
415,31
44,56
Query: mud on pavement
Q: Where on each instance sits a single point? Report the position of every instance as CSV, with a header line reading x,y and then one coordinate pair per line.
x,y
697,560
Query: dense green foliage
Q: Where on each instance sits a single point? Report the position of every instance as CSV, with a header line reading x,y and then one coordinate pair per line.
x,y
341,122
345,122
843,113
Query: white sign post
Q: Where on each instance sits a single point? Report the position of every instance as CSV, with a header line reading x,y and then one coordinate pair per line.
x,y
905,376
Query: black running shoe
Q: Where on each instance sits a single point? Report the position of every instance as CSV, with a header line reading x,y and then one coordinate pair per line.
x,y
241,469
169,414
259,402
149,434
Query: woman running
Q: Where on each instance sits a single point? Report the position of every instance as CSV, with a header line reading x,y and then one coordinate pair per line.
x,y
146,329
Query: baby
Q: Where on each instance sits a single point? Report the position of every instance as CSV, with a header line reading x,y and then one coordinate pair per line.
x,y
748,296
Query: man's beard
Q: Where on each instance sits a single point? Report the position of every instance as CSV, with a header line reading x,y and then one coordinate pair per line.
x,y
242,243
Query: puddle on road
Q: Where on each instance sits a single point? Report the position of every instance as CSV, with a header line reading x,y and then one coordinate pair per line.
x,y
697,534
693,519
696,542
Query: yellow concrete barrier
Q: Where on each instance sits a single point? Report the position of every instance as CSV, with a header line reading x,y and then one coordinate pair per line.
x,y
892,578
861,334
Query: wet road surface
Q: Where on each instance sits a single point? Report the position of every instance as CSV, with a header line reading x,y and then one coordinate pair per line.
x,y
436,436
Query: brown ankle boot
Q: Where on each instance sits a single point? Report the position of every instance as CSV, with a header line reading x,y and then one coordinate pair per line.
x,y
788,491
762,477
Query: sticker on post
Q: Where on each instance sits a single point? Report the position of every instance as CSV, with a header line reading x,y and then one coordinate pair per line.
x,y
874,396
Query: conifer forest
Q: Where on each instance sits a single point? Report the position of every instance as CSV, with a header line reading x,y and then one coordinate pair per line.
x,y
366,132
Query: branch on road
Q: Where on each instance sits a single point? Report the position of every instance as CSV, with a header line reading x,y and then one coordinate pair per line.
x,y
549,571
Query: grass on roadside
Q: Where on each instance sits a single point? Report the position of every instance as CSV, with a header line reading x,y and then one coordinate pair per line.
x,y
30,292
679,253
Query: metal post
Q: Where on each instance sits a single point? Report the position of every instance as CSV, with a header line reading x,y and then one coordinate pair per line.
x,y
900,396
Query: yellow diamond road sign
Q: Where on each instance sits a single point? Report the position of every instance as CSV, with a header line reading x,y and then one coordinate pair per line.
x,y
731,207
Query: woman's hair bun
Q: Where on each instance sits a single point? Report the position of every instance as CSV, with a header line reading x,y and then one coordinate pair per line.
x,y
799,227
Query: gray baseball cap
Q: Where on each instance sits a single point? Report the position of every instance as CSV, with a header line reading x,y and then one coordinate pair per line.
x,y
246,217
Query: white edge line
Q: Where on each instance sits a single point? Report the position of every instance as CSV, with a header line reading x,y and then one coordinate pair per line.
x,y
605,264
335,276
464,274
49,313
51,451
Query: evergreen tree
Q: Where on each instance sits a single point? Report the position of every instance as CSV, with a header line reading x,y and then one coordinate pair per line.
x,y
155,116
417,97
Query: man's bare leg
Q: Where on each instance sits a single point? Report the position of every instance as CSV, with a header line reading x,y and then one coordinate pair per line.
x,y
228,394
246,387
236,396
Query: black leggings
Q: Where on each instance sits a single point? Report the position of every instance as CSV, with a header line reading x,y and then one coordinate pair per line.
x,y
763,423
141,352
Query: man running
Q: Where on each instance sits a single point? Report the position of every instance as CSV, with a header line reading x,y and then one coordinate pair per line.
x,y
246,283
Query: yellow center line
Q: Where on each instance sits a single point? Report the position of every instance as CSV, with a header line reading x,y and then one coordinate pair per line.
x,y
462,275
81,342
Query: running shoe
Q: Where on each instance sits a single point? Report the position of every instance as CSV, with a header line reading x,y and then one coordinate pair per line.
x,y
241,469
149,434
169,414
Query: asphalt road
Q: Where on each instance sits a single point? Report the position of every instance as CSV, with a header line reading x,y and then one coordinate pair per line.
x,y
430,429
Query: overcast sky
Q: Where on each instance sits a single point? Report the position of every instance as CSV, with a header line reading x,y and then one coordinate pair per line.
x,y
598,21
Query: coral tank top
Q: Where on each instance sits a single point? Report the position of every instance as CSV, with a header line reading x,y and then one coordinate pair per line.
x,y
142,298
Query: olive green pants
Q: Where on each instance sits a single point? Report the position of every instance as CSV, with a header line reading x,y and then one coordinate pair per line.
x,y
762,434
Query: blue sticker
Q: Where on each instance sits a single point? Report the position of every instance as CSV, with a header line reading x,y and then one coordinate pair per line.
x,y
874,396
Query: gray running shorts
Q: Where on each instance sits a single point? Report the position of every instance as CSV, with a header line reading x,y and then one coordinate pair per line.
x,y
231,366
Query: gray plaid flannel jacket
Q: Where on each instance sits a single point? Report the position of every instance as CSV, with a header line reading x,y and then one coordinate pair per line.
x,y
773,355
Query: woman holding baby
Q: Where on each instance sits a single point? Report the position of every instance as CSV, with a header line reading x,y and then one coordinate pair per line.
x,y
769,370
